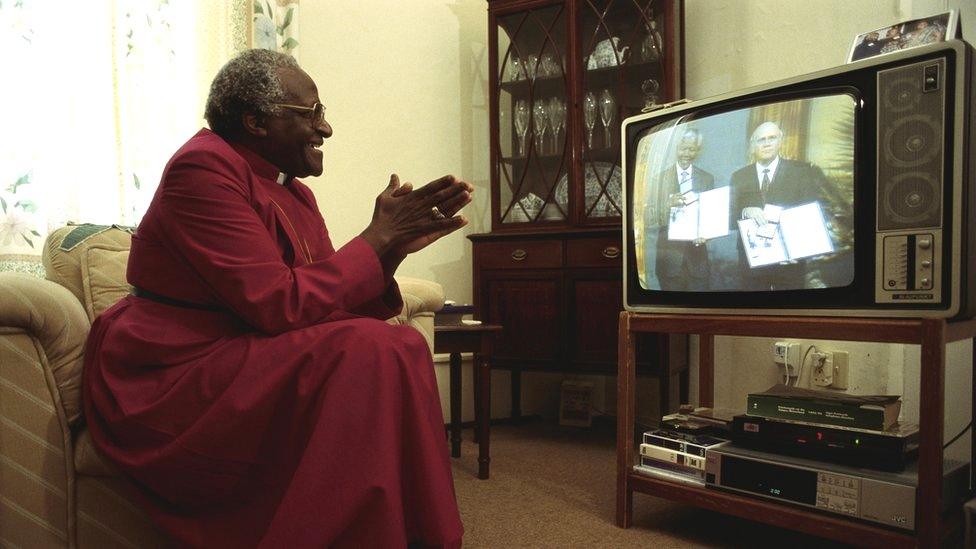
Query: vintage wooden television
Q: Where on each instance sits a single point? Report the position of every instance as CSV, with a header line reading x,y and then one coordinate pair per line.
x,y
869,211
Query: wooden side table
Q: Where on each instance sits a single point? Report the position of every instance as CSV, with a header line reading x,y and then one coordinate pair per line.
x,y
477,338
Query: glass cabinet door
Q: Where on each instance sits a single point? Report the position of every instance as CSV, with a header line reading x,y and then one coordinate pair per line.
x,y
533,115
622,56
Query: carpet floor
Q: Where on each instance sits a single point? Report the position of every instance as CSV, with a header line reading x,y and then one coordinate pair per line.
x,y
554,486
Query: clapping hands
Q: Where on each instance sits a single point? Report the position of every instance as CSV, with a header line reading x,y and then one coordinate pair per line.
x,y
406,220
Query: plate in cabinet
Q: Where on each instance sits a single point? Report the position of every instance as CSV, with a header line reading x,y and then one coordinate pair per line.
x,y
595,173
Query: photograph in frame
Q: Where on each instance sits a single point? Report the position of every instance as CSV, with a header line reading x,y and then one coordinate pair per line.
x,y
905,35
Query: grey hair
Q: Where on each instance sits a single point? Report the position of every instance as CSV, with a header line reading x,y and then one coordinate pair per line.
x,y
247,83
692,134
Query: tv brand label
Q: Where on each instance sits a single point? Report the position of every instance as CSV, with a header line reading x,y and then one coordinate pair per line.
x,y
918,297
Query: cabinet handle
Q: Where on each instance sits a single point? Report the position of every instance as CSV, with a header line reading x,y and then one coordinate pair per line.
x,y
519,254
611,252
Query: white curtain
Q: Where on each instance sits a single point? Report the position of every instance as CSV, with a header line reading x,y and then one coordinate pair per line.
x,y
98,96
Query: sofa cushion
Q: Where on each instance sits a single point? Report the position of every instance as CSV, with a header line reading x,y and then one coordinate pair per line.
x,y
103,277
65,251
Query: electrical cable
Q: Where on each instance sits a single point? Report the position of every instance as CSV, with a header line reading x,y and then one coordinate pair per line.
x,y
802,362
955,438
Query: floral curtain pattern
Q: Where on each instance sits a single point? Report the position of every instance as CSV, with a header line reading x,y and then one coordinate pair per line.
x,y
18,202
274,25
99,95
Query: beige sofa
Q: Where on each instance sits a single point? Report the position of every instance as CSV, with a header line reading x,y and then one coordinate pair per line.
x,y
55,491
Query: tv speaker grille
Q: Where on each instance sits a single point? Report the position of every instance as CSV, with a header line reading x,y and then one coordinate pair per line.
x,y
911,128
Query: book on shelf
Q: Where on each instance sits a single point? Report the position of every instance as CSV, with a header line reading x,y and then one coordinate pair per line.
x,y
789,234
874,412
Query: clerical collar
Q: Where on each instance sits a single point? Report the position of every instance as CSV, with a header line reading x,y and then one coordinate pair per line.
x,y
260,165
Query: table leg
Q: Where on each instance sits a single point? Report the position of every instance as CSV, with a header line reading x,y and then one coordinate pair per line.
x,y
626,407
484,416
455,404
476,381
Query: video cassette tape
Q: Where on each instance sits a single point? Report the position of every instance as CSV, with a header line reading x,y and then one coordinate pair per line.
x,y
685,443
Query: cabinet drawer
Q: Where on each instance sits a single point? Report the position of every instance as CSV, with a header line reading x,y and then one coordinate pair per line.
x,y
594,252
520,255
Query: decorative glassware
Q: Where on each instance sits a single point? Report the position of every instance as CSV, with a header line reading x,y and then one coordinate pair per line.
x,y
548,67
651,45
540,115
608,110
589,116
521,123
557,120
649,88
515,68
532,65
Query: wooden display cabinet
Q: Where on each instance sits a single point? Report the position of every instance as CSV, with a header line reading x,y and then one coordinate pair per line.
x,y
564,74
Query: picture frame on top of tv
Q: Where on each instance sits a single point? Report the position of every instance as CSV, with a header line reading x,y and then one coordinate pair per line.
x,y
907,34
884,147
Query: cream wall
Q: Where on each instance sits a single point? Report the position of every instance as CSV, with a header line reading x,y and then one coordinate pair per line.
x,y
406,88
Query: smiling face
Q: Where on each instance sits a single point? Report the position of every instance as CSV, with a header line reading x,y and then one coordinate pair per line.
x,y
294,137
688,150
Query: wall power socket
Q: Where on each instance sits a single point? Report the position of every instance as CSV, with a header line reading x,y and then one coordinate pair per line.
x,y
787,354
833,371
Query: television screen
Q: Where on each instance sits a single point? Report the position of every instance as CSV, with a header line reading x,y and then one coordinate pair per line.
x,y
755,198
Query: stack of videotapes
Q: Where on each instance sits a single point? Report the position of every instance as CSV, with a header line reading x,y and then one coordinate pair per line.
x,y
674,455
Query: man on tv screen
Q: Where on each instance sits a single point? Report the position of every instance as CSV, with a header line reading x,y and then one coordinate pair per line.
x,y
682,264
760,192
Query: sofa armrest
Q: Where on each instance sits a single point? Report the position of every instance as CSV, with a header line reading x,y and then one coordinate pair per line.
x,y
54,317
421,299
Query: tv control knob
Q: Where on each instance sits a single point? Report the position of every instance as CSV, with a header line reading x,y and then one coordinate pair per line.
x,y
924,243
926,263
925,282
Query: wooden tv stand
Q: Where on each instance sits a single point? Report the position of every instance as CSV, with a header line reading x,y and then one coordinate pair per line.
x,y
932,334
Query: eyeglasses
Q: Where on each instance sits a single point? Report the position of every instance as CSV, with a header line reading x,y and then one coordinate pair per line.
x,y
316,113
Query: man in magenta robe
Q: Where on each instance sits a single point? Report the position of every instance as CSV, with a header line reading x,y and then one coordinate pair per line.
x,y
250,389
